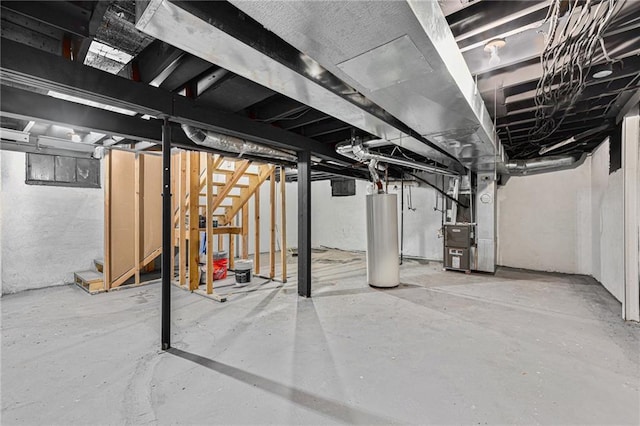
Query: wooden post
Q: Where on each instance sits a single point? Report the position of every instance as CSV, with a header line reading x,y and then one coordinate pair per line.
x,y
245,231
194,222
138,203
106,267
209,218
174,190
182,246
232,251
256,230
272,233
283,224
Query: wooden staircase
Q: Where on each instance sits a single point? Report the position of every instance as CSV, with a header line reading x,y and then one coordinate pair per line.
x,y
219,189
202,185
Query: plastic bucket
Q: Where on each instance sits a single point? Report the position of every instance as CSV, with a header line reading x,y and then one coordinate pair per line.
x,y
243,272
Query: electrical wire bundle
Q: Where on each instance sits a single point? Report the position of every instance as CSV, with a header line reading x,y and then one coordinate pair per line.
x,y
567,58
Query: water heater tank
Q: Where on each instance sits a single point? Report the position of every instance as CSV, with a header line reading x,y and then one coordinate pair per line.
x,y
383,268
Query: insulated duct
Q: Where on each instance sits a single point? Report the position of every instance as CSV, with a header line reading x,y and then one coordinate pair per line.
x,y
544,165
236,145
359,152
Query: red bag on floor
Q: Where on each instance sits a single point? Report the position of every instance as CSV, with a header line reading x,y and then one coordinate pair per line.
x,y
220,269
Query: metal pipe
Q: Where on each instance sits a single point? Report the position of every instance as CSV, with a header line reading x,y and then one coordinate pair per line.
x,y
236,145
358,151
167,226
544,165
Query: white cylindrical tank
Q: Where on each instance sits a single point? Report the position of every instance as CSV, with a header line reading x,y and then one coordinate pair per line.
x,y
383,269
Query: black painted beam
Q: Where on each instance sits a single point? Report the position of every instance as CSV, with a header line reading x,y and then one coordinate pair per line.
x,y
99,10
28,66
304,224
63,15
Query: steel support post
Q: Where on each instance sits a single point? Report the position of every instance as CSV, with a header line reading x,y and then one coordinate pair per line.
x,y
304,223
167,225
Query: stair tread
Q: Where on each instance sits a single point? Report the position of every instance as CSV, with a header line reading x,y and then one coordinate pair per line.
x,y
89,275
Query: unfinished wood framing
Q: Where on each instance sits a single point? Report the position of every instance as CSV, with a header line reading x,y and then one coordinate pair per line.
x,y
182,230
209,224
272,218
256,230
194,222
106,266
133,218
245,231
283,224
138,203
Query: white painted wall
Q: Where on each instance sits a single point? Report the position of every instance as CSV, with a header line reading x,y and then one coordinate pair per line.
x,y
340,222
607,223
544,221
48,232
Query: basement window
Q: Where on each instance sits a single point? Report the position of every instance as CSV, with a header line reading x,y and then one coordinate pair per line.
x,y
343,187
58,170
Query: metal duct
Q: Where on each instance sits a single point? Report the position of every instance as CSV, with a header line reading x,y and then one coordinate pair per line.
x,y
544,165
357,151
400,55
213,32
236,145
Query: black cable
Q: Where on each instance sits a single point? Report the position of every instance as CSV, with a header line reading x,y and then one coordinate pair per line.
x,y
439,190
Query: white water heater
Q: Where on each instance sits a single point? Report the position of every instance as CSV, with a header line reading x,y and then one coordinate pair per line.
x,y
383,265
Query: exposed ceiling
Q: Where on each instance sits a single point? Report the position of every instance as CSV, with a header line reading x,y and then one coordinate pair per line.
x,y
102,35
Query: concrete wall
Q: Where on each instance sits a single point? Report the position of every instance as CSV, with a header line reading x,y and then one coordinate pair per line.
x,y
569,221
544,221
340,222
607,223
48,232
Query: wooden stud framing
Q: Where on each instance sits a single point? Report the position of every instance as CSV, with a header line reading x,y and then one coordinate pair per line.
x,y
175,162
283,224
209,226
138,243
106,267
246,193
194,222
231,181
245,231
256,230
232,251
272,232
182,245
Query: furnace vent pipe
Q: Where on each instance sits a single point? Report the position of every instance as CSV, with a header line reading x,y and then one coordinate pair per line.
x,y
239,146
358,151
544,164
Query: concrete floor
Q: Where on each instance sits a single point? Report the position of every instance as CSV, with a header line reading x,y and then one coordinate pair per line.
x,y
444,347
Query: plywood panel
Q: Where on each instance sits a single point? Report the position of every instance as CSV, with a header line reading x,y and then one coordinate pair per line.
x,y
122,210
152,204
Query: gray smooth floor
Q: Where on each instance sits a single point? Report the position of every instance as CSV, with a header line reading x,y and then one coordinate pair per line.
x,y
443,348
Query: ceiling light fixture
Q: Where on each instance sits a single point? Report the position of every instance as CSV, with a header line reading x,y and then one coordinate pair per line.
x,y
492,47
602,70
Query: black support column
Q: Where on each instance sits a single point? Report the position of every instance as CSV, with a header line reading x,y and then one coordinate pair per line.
x,y
304,224
167,262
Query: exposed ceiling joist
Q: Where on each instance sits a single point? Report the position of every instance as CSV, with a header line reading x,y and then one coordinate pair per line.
x,y
38,69
63,15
